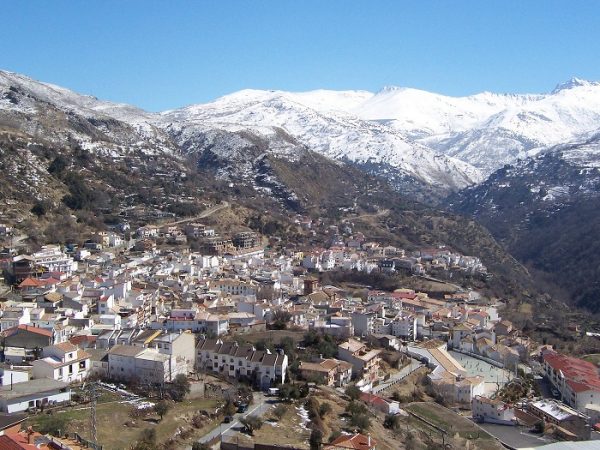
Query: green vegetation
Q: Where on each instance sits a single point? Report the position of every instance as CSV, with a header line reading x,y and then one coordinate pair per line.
x,y
39,208
353,392
251,423
359,415
179,388
161,408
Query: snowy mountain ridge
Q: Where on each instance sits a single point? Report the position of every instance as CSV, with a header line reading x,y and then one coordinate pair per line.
x,y
445,142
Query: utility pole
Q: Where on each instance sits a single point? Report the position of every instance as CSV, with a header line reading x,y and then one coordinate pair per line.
x,y
91,389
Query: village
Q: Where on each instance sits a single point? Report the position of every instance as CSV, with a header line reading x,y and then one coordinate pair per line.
x,y
139,313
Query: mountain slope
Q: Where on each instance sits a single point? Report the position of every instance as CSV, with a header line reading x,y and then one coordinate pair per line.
x,y
546,210
72,163
486,130
336,135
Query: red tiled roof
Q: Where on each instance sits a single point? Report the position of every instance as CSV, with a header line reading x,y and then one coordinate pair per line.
x,y
17,441
357,442
37,330
67,347
372,399
31,282
580,375
81,338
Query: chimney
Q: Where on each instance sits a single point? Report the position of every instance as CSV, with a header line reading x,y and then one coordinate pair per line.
x,y
369,440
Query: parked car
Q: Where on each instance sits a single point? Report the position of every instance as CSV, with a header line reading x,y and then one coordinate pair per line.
x,y
227,419
242,408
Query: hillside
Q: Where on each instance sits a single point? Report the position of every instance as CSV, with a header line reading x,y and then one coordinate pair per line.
x,y
74,163
546,211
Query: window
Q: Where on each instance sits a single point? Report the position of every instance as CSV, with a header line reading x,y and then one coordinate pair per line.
x,y
70,369
31,403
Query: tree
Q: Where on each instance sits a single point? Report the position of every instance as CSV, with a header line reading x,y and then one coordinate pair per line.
x,y
360,421
229,409
353,392
355,407
288,346
180,387
58,166
161,408
280,411
392,422
281,319
334,435
324,409
251,423
39,208
316,439
200,446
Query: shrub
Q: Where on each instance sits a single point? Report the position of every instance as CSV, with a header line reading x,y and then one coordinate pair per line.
x,y
161,408
280,411
353,392
391,422
360,421
316,439
324,409
312,407
39,208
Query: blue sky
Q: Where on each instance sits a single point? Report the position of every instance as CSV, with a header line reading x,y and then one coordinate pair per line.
x,y
166,54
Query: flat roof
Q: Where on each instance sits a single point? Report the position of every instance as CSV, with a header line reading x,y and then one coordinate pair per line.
x,y
31,387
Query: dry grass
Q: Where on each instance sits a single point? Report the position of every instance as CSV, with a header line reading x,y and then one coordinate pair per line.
x,y
411,385
526,309
460,430
117,430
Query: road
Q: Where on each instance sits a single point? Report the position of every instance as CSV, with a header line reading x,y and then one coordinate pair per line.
x,y
258,408
403,373
204,214
515,436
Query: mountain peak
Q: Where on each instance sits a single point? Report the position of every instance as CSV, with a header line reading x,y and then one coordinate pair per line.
x,y
390,88
573,83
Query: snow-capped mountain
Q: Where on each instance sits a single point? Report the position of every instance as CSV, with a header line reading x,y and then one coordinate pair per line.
x,y
317,120
399,127
488,130
546,211
412,137
96,125
321,121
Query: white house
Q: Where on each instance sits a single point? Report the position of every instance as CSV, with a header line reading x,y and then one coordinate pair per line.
x,y
9,375
33,394
63,362
230,358
143,365
492,411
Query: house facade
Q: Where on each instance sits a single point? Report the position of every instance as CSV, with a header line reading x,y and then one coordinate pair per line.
x,y
62,362
229,358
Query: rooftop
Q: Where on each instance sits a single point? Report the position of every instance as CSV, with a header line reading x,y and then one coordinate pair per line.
x,y
31,387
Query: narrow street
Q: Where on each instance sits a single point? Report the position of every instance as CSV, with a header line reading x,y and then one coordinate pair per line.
x,y
403,373
259,407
